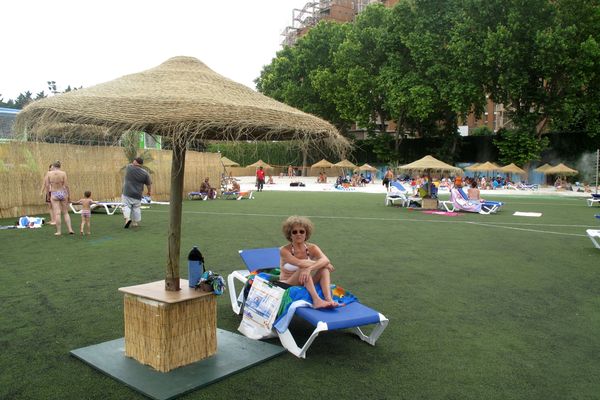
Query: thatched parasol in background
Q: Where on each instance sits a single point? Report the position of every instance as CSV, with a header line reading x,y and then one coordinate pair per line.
x,y
472,167
429,164
322,164
486,167
561,169
513,169
182,100
260,163
226,162
542,169
345,164
367,167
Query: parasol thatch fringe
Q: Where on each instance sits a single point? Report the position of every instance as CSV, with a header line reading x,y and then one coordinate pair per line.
x,y
183,100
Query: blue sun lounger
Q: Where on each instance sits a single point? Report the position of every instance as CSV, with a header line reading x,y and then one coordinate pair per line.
x,y
354,316
488,206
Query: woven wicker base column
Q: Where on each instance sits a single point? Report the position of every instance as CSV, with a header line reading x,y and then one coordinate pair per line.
x,y
429,204
167,330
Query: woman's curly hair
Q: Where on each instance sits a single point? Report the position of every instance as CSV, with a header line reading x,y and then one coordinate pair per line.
x,y
295,220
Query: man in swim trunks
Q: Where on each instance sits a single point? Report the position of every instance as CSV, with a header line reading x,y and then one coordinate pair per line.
x,y
56,181
133,189
304,263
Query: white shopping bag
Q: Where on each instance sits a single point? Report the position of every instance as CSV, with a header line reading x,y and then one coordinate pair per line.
x,y
260,309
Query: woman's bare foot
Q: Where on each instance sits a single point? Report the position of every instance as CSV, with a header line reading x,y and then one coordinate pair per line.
x,y
322,304
57,234
332,303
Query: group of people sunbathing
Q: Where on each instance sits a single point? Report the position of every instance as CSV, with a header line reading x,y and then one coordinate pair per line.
x,y
353,181
483,183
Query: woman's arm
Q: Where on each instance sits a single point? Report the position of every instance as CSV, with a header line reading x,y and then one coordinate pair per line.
x,y
287,257
319,258
45,185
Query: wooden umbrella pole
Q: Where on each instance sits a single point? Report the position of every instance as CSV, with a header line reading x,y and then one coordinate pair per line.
x,y
174,240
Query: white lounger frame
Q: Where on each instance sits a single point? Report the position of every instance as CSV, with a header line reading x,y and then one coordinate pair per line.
x,y
110,207
286,338
594,235
591,201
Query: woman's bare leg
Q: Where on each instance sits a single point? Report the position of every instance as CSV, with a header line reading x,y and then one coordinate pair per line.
x,y
323,278
317,301
66,216
56,211
294,280
52,215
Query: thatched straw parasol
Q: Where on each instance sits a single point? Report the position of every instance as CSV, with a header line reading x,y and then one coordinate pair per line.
x,y
561,169
345,164
260,163
182,100
486,167
429,164
228,163
543,168
513,169
322,164
367,167
472,167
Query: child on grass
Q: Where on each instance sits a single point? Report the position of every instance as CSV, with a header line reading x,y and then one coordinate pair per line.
x,y
86,211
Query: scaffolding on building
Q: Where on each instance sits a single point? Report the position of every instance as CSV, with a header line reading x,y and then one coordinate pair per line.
x,y
314,11
302,19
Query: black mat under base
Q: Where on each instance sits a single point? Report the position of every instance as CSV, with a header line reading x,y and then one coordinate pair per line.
x,y
234,354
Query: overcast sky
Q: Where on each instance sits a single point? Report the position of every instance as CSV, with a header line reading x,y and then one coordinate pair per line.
x,y
82,43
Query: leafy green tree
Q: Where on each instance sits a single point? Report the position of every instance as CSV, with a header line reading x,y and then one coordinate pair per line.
x,y
290,76
541,60
352,82
482,131
424,82
519,146
23,99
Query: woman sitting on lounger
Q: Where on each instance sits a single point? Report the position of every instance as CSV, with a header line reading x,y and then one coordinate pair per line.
x,y
473,193
304,263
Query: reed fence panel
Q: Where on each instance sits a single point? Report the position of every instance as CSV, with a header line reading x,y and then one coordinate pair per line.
x,y
96,168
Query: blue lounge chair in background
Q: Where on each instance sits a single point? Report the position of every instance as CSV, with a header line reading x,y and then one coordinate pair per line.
x,y
487,206
460,202
594,199
399,194
353,316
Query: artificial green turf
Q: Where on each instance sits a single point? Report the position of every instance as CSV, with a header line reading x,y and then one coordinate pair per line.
x,y
494,307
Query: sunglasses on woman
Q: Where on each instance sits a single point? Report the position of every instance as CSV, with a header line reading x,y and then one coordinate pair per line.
x,y
295,232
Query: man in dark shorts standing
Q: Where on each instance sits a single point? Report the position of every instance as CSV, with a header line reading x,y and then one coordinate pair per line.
x,y
133,189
